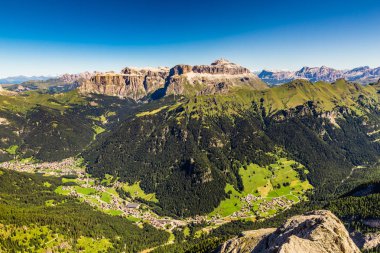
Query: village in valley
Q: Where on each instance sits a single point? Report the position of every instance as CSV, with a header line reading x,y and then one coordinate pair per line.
x,y
261,197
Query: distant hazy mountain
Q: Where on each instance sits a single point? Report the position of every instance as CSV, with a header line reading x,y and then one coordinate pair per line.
x,y
21,79
63,83
363,75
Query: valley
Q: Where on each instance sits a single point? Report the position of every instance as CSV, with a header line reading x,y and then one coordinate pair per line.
x,y
267,191
214,154
189,126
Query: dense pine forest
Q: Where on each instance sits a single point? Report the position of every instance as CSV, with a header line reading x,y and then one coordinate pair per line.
x,y
23,199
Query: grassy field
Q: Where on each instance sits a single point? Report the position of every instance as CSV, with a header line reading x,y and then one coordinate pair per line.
x,y
47,184
280,179
28,100
89,194
34,238
106,181
136,192
90,245
49,202
151,112
84,190
61,191
106,197
229,205
98,130
114,212
70,180
325,95
12,149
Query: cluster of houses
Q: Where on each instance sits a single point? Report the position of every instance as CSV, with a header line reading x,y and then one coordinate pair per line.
x,y
69,167
64,167
247,205
198,219
127,208
275,203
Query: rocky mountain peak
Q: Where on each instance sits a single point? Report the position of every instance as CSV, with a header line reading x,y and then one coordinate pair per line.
x,y
143,71
223,62
71,78
314,232
137,83
221,66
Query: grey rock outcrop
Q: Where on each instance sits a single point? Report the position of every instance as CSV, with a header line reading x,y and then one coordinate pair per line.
x,y
315,232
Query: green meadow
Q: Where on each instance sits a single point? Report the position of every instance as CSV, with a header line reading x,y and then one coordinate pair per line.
x,y
136,192
280,179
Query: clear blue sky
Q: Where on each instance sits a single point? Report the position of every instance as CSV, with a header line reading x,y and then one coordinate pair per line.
x,y
50,37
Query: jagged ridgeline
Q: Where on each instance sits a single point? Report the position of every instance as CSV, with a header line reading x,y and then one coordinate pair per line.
x,y
187,149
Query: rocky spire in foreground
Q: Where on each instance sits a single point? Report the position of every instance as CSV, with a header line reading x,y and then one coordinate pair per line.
x,y
315,232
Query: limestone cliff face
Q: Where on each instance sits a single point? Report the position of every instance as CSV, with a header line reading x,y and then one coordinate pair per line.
x,y
130,83
218,77
108,83
147,80
135,83
315,232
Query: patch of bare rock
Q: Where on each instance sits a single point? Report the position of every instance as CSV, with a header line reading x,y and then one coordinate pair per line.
x,y
315,232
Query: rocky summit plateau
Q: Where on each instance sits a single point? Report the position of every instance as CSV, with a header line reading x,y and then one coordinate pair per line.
x,y
138,83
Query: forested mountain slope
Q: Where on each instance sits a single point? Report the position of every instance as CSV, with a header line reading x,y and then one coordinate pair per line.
x,y
52,127
34,218
187,150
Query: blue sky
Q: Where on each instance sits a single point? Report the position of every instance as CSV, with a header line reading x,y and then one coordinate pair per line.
x,y
51,37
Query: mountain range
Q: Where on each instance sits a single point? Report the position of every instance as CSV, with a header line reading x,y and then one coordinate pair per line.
x,y
146,77
135,83
184,159
363,75
21,79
